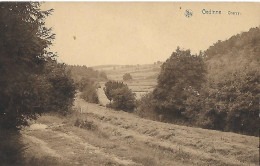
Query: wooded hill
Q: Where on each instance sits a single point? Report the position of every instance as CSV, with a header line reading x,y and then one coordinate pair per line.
x,y
217,89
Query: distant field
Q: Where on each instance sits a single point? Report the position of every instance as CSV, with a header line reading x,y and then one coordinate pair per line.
x,y
144,76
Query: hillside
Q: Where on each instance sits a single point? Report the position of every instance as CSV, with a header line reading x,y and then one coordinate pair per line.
x,y
95,135
119,138
238,53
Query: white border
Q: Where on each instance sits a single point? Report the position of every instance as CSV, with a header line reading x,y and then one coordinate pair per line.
x,y
133,1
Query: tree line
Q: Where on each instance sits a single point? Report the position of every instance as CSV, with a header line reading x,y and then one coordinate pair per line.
x,y
32,82
217,89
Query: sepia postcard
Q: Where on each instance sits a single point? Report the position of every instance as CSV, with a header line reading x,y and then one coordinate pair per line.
x,y
129,83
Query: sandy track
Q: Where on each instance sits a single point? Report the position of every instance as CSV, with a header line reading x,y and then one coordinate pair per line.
x,y
125,139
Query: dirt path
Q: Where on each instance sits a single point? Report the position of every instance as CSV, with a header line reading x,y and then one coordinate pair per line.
x,y
101,96
120,138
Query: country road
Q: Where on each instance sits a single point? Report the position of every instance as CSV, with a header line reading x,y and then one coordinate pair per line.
x,y
120,138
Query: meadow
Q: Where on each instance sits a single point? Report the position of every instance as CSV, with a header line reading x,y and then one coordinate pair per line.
x,y
144,76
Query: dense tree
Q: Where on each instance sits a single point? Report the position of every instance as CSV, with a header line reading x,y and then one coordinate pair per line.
x,y
181,76
232,86
31,81
218,89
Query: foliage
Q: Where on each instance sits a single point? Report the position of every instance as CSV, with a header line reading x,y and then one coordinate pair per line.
x,y
86,124
145,107
181,75
31,81
84,83
230,101
110,86
86,79
88,90
232,88
62,89
121,96
127,77
80,72
123,99
90,95
23,40
217,90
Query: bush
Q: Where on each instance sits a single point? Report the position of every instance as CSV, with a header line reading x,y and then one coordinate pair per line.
x,y
110,86
62,88
88,90
121,96
145,107
90,95
85,124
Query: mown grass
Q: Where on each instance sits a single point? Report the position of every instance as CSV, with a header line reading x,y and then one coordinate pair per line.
x,y
12,152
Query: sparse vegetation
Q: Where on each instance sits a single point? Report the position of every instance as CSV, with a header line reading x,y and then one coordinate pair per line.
x,y
85,124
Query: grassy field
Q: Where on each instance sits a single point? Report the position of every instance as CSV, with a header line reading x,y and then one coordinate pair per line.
x,y
95,135
144,76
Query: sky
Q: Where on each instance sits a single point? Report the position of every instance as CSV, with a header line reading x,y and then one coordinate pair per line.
x,y
126,33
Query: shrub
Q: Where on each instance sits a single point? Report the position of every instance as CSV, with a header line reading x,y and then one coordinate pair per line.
x,y
123,99
88,90
90,95
145,107
85,124
62,88
110,86
121,96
